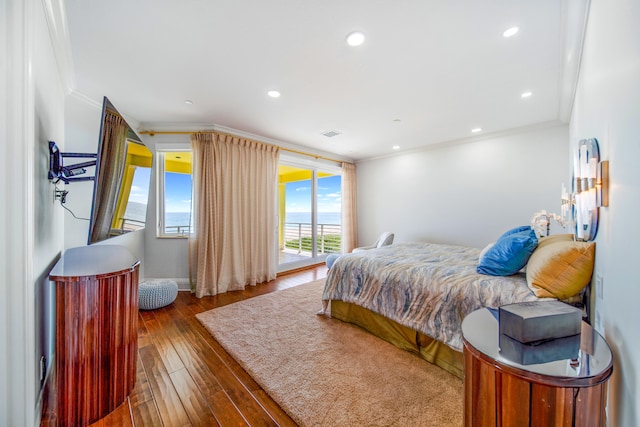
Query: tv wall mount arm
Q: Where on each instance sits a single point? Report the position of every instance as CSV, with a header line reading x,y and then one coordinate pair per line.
x,y
58,171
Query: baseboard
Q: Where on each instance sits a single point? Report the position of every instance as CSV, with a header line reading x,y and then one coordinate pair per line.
x,y
183,283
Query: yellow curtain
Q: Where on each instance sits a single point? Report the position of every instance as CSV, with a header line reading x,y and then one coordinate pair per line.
x,y
234,197
349,211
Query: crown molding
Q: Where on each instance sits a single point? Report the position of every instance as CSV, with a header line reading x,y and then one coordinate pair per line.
x,y
280,143
85,99
471,139
196,127
59,33
574,18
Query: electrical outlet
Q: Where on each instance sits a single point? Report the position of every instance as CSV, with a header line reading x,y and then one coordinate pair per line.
x,y
60,194
599,285
599,322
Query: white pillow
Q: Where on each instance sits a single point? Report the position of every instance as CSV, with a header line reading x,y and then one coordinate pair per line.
x,y
485,250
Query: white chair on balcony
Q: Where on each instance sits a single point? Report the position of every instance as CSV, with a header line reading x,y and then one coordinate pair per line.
x,y
385,239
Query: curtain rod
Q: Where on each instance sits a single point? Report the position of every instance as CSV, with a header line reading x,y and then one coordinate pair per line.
x,y
290,150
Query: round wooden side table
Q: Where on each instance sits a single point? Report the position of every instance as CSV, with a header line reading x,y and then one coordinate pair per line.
x,y
498,391
96,331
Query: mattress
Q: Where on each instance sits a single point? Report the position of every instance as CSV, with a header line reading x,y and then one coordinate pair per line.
x,y
426,287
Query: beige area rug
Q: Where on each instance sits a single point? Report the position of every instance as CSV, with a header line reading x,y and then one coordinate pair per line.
x,y
324,372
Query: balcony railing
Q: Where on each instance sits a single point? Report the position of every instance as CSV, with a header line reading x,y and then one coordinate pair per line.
x,y
179,230
127,225
298,237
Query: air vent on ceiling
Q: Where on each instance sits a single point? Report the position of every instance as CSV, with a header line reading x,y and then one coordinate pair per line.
x,y
331,133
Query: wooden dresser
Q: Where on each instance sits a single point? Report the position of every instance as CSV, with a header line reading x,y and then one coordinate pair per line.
x,y
96,339
499,392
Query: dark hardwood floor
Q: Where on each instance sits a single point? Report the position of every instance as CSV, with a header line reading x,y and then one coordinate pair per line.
x,y
185,378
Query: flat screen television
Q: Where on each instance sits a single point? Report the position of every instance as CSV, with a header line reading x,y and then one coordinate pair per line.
x,y
122,177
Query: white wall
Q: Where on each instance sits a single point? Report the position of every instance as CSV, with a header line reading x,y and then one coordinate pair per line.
x,y
607,107
166,258
134,242
82,129
32,112
465,194
48,221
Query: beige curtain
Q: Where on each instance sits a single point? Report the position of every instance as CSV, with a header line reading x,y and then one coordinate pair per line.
x,y
349,211
234,196
112,161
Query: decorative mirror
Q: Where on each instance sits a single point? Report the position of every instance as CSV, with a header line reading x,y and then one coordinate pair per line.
x,y
590,182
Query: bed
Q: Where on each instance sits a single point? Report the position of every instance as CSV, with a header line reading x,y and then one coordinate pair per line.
x,y
415,295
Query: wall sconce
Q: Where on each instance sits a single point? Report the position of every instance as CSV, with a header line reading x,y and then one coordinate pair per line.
x,y
590,189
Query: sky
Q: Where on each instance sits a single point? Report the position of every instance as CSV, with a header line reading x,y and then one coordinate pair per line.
x,y
177,190
329,197
177,196
140,185
298,194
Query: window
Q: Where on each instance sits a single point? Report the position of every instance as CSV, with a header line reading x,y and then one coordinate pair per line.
x,y
174,193
309,211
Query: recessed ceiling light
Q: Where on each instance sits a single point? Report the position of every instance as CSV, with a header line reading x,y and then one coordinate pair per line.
x,y
476,130
396,147
510,32
355,39
188,101
526,94
274,94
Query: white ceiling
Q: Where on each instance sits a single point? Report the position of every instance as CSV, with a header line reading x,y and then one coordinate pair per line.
x,y
442,67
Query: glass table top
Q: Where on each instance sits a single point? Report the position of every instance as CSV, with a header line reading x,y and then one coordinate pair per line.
x,y
592,354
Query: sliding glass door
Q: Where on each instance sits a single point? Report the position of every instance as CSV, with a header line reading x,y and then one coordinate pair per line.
x,y
309,214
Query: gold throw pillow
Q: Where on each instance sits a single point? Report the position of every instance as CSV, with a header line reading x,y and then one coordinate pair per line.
x,y
560,268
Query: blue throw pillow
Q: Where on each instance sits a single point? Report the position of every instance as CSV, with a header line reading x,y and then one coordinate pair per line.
x,y
515,230
509,254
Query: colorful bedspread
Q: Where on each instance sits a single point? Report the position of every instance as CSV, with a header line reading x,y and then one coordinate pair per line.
x,y
427,287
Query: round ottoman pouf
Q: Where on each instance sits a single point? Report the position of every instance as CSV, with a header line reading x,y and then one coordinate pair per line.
x,y
156,293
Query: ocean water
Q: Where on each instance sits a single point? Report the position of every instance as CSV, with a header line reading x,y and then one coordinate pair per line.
x,y
323,217
176,218
137,211
182,218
